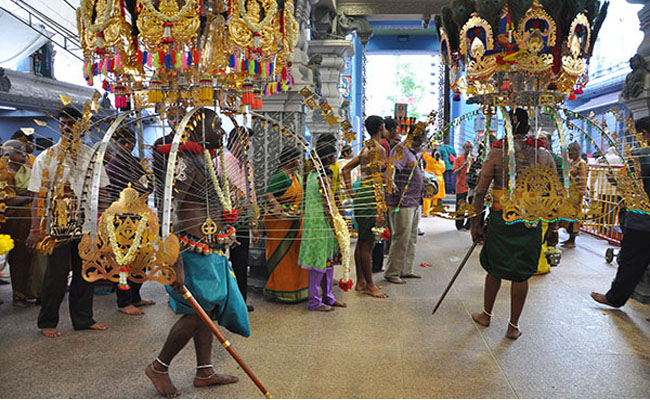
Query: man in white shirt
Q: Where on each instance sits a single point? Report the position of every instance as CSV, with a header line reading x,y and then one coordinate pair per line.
x,y
66,254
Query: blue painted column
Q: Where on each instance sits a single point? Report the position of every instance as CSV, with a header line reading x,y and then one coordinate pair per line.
x,y
356,101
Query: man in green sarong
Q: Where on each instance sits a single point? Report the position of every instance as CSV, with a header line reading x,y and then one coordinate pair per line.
x,y
511,251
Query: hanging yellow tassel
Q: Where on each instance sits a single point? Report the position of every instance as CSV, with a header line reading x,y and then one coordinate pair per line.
x,y
205,92
155,94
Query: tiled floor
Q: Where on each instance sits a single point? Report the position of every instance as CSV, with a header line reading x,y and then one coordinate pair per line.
x,y
394,348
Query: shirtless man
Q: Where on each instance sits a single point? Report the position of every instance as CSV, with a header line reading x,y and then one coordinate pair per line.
x,y
510,252
193,270
372,160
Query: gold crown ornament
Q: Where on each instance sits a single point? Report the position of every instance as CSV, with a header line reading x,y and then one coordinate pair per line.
x,y
536,48
128,245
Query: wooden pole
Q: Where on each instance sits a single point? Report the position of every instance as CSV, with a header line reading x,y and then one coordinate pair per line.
x,y
226,344
453,279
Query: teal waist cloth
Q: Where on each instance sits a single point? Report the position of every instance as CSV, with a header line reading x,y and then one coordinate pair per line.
x,y
212,282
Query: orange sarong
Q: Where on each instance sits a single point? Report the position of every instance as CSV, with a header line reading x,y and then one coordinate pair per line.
x,y
287,281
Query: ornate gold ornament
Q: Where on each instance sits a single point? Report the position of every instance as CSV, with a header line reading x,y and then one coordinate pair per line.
x,y
479,65
462,211
630,188
249,27
538,196
167,24
128,244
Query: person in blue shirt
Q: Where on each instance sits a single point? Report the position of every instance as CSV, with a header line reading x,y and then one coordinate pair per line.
x,y
446,151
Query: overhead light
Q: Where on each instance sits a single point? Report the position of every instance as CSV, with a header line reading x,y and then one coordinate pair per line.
x,y
8,108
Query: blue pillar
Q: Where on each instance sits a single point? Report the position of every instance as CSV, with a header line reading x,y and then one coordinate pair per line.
x,y
356,101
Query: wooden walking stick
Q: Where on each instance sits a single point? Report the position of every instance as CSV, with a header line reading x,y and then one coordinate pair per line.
x,y
453,279
226,344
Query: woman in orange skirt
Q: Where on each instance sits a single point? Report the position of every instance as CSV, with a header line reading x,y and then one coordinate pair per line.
x,y
283,224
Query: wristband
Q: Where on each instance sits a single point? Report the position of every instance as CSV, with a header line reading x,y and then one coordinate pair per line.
x,y
34,230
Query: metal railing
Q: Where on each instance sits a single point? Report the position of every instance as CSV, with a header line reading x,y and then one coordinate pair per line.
x,y
604,194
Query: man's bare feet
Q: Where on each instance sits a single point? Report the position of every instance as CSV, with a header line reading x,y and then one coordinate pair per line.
x,y
513,331
144,303
207,377
338,304
481,318
373,290
161,381
98,327
602,299
50,332
324,307
361,286
130,310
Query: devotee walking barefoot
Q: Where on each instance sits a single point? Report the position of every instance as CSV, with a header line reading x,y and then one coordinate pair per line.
x,y
634,257
578,175
207,275
372,160
66,255
511,251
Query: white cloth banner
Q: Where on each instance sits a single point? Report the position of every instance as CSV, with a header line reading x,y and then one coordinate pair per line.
x,y
20,41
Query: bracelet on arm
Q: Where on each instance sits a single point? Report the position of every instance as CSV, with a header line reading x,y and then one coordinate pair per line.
x,y
34,230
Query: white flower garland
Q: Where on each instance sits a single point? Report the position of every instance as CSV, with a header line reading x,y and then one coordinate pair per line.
x,y
159,15
106,18
125,259
223,199
263,24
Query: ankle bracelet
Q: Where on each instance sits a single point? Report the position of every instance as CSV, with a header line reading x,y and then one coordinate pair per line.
x,y
513,325
487,313
155,371
162,363
204,366
212,375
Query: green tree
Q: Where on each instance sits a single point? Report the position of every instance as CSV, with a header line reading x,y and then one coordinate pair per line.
x,y
410,91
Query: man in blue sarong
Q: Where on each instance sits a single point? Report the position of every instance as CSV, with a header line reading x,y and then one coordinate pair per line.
x,y
202,267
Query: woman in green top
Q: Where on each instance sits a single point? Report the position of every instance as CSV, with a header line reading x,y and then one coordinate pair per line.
x,y
283,225
319,249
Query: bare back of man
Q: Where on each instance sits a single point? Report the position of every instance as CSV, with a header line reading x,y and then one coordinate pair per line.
x,y
494,174
192,209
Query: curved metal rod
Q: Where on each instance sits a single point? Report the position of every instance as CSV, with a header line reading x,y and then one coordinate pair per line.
x,y
90,224
169,174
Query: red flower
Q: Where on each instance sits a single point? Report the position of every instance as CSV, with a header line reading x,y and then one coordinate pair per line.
x,y
230,216
345,285
385,235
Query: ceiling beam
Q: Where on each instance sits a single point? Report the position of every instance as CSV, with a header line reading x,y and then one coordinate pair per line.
x,y
372,7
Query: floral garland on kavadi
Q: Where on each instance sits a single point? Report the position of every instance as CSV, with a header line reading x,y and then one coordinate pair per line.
x,y
124,260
